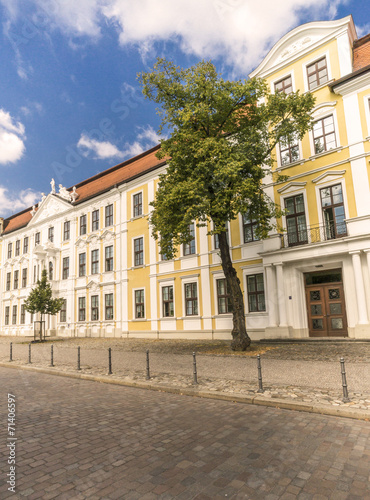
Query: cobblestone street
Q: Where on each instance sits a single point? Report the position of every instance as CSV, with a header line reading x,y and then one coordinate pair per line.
x,y
84,440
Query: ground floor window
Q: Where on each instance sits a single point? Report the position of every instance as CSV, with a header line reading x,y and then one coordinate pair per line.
x,y
81,308
256,293
109,306
139,304
7,312
168,304
223,297
191,299
14,317
63,312
94,307
23,314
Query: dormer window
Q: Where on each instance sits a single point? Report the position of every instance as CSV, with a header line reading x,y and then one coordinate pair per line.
x,y
317,73
284,85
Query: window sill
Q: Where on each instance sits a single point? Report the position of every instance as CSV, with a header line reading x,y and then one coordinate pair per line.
x,y
289,165
324,153
323,85
195,316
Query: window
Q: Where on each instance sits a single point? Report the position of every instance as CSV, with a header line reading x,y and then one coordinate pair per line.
x,y
16,279
296,220
24,277
317,73
82,264
17,247
109,215
139,251
95,220
139,304
289,151
8,280
109,306
167,299
249,229
81,308
37,239
63,312
34,274
324,134
94,307
67,230
285,85
10,247
83,225
23,315
65,267
223,297
51,234
138,204
333,211
95,262
51,271
256,293
191,299
25,245
109,258
189,248
14,316
7,312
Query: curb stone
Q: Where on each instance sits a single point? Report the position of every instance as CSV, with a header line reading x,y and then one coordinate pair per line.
x,y
357,414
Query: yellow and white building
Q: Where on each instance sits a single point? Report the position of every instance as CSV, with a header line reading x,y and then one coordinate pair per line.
x,y
311,280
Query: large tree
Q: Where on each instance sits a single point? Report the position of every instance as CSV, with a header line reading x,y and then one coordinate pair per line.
x,y
40,300
221,138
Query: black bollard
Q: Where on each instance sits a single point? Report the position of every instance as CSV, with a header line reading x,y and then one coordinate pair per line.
x,y
147,366
29,353
51,355
260,387
344,382
110,361
11,352
195,377
78,358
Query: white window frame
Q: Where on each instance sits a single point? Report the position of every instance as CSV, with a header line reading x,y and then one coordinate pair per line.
x,y
184,281
251,271
283,197
283,77
142,204
133,251
311,61
367,112
278,156
195,243
134,303
322,116
163,284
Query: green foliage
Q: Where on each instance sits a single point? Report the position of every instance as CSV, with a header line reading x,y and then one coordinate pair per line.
x,y
40,299
222,134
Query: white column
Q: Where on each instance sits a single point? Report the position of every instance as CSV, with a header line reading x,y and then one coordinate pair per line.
x,y
360,290
281,295
271,295
367,251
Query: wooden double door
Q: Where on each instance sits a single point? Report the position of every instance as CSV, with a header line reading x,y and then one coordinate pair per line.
x,y
326,310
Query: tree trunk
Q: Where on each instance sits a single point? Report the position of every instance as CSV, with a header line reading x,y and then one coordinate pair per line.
x,y
241,340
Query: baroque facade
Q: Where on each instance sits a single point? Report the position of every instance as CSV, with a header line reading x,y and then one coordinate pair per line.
x,y
312,279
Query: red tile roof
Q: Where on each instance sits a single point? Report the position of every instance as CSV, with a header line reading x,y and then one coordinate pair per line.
x,y
100,183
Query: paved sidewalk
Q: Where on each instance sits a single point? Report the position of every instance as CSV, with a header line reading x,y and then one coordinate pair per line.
x,y
298,376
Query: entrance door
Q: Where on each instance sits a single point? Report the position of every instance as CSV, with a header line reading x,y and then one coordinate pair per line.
x,y
326,310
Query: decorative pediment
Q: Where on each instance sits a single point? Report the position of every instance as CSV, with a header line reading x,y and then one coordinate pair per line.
x,y
93,238
292,186
328,176
323,108
80,243
51,206
107,235
23,259
301,41
93,285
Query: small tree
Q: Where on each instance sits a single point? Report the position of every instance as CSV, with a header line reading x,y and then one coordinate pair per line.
x,y
40,299
220,149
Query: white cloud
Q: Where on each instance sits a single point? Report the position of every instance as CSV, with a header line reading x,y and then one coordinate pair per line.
x,y
102,150
31,108
239,30
11,139
11,203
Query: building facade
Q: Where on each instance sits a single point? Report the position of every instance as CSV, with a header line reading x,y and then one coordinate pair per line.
x,y
311,278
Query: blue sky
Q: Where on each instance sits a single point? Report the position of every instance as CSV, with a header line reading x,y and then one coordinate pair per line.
x,y
70,103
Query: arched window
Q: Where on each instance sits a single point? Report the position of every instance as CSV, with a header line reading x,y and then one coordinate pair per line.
x,y
51,268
